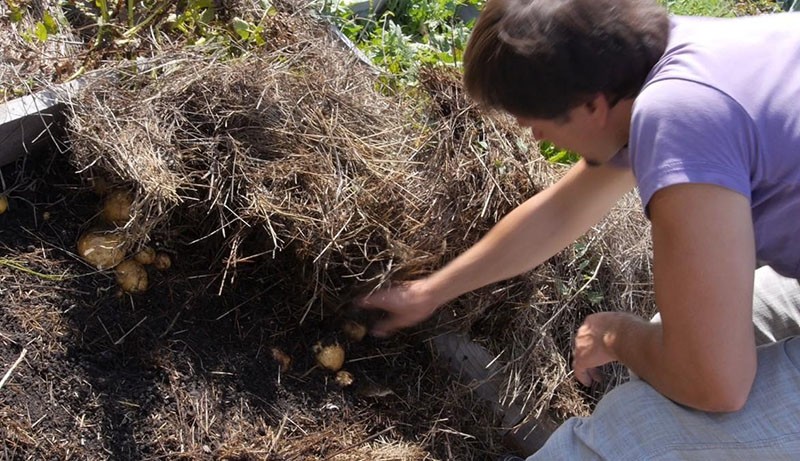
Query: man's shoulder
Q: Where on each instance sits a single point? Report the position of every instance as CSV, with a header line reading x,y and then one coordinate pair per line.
x,y
732,54
684,98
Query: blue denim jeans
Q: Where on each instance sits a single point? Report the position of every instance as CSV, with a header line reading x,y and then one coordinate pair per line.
x,y
634,422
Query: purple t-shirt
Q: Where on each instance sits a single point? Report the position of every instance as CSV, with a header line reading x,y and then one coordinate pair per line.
x,y
722,107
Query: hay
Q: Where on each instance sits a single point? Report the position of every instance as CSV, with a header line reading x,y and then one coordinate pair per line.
x,y
298,156
300,144
26,63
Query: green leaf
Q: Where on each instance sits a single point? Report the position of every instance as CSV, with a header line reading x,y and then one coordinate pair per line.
x,y
258,36
594,297
40,31
17,14
50,23
208,15
241,27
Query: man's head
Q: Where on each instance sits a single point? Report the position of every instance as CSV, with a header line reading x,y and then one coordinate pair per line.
x,y
542,58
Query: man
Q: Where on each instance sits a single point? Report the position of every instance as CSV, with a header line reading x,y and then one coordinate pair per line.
x,y
703,115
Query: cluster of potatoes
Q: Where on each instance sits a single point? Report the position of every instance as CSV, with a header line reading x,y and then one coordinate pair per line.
x,y
108,249
330,356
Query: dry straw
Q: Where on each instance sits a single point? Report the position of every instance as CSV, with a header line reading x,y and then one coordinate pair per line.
x,y
299,150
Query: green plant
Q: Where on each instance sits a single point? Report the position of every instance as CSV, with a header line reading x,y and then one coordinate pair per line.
x,y
408,35
556,155
716,8
40,30
415,33
120,26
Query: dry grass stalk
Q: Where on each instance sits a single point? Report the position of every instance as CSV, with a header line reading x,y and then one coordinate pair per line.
x,y
299,151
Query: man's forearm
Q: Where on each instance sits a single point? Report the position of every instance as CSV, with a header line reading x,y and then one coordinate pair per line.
x,y
640,345
534,231
521,241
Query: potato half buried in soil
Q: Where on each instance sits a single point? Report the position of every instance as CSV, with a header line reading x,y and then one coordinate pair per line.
x,y
162,261
330,357
103,250
145,256
344,378
131,276
354,330
117,207
283,359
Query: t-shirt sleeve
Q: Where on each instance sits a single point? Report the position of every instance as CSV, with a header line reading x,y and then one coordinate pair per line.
x,y
687,132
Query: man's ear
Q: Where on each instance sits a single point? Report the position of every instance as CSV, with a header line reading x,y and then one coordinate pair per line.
x,y
598,109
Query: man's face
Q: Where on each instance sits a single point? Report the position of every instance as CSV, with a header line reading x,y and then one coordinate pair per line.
x,y
588,130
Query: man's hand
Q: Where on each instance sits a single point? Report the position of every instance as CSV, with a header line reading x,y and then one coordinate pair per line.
x,y
592,346
406,304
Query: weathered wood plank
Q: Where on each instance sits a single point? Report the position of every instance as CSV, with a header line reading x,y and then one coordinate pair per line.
x,y
26,123
477,368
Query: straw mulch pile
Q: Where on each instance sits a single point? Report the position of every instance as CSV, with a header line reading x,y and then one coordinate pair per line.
x,y
299,160
298,149
26,63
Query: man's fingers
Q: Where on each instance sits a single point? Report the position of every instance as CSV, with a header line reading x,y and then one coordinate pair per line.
x,y
366,302
583,377
381,332
378,300
587,376
596,375
386,327
391,324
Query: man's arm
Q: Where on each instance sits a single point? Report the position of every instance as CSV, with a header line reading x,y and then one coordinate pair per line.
x,y
703,353
526,237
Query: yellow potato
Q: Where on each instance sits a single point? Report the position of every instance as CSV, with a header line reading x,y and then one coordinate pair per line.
x,y
330,357
147,255
354,330
3,204
283,359
162,261
103,250
117,207
344,378
131,276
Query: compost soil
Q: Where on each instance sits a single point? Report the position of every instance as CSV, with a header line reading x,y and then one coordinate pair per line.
x,y
179,372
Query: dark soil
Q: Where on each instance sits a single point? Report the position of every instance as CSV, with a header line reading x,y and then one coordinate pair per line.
x,y
181,372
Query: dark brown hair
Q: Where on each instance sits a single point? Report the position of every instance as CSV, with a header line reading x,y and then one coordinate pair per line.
x,y
541,58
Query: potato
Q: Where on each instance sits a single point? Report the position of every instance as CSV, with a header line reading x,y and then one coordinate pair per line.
x,y
117,207
100,185
330,357
283,359
344,378
131,276
145,256
3,204
162,261
354,330
103,250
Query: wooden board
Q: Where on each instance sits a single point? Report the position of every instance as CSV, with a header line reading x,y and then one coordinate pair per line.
x,y
27,123
477,368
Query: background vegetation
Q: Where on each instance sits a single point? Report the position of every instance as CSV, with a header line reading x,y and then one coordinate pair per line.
x,y
408,35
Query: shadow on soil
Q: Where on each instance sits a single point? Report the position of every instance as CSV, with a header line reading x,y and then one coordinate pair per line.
x,y
177,369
